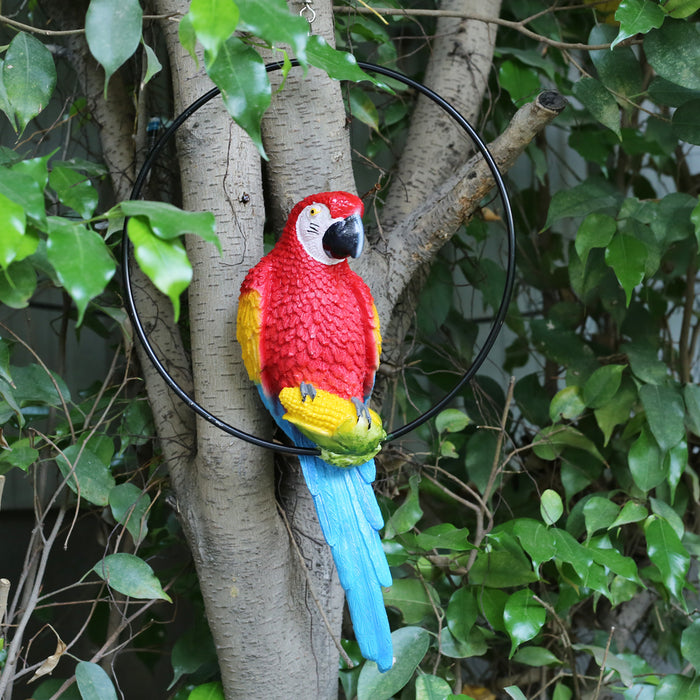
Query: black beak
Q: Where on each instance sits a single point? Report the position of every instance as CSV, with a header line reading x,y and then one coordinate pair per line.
x,y
344,239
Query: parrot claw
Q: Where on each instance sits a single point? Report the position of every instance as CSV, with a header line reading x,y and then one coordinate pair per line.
x,y
307,390
362,411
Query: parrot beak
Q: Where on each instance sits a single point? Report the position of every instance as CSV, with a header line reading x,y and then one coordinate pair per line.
x,y
344,238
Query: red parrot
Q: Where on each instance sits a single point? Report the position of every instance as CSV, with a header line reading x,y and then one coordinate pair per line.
x,y
309,332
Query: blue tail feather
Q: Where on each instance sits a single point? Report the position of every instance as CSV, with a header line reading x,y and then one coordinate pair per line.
x,y
343,501
350,519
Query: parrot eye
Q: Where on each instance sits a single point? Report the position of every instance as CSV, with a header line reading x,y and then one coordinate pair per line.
x,y
314,211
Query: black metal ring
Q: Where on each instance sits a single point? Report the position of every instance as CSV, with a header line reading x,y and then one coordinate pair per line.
x,y
478,360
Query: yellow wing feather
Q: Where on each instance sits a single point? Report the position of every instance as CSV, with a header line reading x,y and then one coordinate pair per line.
x,y
248,332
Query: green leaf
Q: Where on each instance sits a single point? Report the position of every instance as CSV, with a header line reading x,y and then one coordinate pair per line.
x,y
451,420
480,453
339,65
27,190
618,70
407,514
153,65
646,462
515,692
461,613
537,540
674,53
665,92
551,441
637,17
567,404
600,103
681,8
208,691
691,394
535,656
17,284
551,506
213,22
599,513
193,650
522,83
81,259
187,37
602,385
667,554
239,72
5,105
35,386
627,256
632,512
502,564
128,574
410,646
690,644
88,476
130,508
164,262
674,687
665,413
13,224
20,455
611,661
523,617
444,536
168,221
616,410
430,687
74,190
595,231
272,21
685,122
113,32
362,107
29,77
93,682
476,645
592,195
412,599
645,363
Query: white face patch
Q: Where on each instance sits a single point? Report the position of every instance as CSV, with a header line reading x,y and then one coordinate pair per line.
x,y
312,223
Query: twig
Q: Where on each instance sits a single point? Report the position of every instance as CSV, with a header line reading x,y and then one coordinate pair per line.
x,y
452,494
518,26
602,664
65,32
309,582
4,595
17,639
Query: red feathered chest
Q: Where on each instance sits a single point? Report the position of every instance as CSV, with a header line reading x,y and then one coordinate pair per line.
x,y
315,326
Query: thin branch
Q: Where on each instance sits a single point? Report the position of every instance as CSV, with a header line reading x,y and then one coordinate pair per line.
x,y
65,32
18,637
43,366
518,26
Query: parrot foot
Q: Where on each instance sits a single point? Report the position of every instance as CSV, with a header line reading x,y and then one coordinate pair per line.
x,y
307,390
362,411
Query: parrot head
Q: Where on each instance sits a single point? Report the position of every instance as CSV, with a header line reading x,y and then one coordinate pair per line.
x,y
328,226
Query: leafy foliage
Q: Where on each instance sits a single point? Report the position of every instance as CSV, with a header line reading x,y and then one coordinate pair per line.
x,y
528,522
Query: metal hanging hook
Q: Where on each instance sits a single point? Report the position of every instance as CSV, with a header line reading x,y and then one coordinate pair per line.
x,y
308,12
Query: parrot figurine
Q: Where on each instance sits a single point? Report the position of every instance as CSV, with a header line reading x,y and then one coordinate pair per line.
x,y
309,333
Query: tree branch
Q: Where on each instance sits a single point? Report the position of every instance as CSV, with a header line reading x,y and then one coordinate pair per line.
x,y
519,26
425,230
